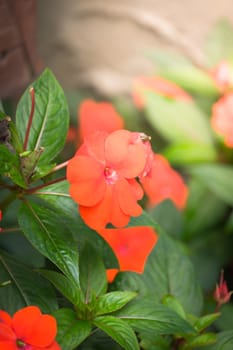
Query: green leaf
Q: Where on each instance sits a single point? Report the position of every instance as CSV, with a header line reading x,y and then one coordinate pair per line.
x,y
205,321
188,153
92,273
201,340
63,284
25,287
145,315
219,44
217,178
71,331
112,301
171,302
50,120
181,71
204,210
162,276
118,330
51,237
178,121
57,196
10,166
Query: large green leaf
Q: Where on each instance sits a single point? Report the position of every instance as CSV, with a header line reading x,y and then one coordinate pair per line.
x,y
118,330
64,285
25,287
50,121
93,277
48,233
188,153
224,341
217,178
178,121
145,315
112,301
168,271
71,331
57,196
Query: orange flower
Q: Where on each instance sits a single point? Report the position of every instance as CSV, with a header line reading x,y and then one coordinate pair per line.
x,y
131,246
94,116
28,329
222,75
163,182
102,177
158,85
222,118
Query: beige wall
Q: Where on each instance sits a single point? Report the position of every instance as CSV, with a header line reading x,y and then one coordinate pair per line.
x,y
101,43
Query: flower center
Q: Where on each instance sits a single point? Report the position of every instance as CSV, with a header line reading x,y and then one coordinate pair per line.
x,y
22,346
111,176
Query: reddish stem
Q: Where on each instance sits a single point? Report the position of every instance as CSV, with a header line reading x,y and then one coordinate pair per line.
x,y
32,93
34,189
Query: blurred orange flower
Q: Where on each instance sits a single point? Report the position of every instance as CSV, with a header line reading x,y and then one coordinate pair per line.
x,y
102,177
98,116
222,118
222,74
132,246
158,85
163,182
28,329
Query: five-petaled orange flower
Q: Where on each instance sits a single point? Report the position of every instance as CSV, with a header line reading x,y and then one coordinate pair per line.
x,y
222,118
28,329
163,182
98,116
102,177
132,246
158,85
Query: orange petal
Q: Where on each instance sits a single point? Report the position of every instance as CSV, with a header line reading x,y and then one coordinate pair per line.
x,y
81,168
111,274
125,153
94,146
98,216
6,334
33,327
131,246
126,198
8,345
95,116
5,317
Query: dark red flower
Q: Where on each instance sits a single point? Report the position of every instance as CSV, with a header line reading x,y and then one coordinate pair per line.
x,y
131,245
28,329
102,177
163,182
221,293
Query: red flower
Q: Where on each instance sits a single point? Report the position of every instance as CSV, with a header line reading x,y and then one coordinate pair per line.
x,y
28,329
102,177
94,116
222,118
163,182
158,85
221,293
131,246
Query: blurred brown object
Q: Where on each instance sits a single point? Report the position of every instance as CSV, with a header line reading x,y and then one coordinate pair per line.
x,y
19,62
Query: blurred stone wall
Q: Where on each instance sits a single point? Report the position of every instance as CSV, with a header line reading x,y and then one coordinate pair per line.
x,y
102,43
